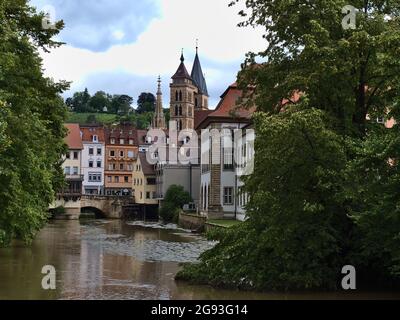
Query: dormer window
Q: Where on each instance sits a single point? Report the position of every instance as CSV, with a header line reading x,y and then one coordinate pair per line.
x,y
121,141
112,141
95,139
131,141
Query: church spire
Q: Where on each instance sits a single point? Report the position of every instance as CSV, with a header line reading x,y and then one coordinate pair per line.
x,y
197,74
159,119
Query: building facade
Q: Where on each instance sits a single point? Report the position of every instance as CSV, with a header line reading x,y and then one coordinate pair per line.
x,y
221,194
72,164
121,150
144,181
93,160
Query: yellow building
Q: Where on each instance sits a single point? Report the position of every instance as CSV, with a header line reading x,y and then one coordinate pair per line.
x,y
144,181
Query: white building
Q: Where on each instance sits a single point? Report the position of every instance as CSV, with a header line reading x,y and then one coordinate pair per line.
x,y
93,160
221,194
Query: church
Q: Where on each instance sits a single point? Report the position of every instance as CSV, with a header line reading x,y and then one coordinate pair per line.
x,y
188,97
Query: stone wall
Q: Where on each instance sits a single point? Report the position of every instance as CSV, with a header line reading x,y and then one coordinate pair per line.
x,y
192,221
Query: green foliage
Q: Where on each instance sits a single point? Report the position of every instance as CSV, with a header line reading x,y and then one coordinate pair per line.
x,y
374,180
146,103
309,51
296,223
32,114
175,198
83,118
325,190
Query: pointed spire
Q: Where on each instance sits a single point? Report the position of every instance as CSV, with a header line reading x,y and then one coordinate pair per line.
x,y
159,86
197,74
182,71
159,119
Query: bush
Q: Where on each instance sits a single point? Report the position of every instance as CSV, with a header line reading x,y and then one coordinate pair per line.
x,y
175,198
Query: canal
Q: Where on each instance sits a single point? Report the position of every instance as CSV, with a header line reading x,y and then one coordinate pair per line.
x,y
100,259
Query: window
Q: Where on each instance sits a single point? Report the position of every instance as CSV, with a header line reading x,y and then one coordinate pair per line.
x,y
196,103
130,167
147,195
121,141
121,154
176,110
112,153
90,151
176,96
75,170
94,177
90,164
151,181
112,141
99,151
228,196
141,195
154,195
126,179
76,155
68,155
131,154
109,178
98,163
95,138
116,179
131,142
121,166
180,110
67,170
180,95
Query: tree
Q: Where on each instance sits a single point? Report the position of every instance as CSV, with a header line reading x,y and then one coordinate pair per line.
x,y
80,102
349,73
146,103
121,104
99,101
32,113
175,198
324,190
296,219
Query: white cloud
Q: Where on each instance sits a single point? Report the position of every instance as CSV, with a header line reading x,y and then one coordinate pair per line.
x,y
222,47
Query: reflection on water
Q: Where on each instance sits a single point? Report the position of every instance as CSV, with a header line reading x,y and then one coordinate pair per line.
x,y
98,259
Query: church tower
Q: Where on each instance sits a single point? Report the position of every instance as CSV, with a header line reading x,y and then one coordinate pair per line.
x,y
201,97
159,119
183,92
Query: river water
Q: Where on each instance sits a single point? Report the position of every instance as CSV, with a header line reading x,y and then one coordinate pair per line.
x,y
100,259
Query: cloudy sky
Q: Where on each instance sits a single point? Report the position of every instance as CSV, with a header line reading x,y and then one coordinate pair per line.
x,y
121,46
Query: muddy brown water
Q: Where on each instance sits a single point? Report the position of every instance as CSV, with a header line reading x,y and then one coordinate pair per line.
x,y
100,259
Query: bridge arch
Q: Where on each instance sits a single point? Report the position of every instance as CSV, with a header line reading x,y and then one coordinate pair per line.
x,y
99,213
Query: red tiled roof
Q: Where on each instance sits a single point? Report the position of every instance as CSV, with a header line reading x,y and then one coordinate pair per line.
x,y
200,115
147,168
89,132
126,132
73,138
227,107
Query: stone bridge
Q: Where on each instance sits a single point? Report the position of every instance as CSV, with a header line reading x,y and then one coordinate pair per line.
x,y
110,207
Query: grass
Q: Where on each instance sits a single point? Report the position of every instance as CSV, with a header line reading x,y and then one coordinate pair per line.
x,y
224,223
103,118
